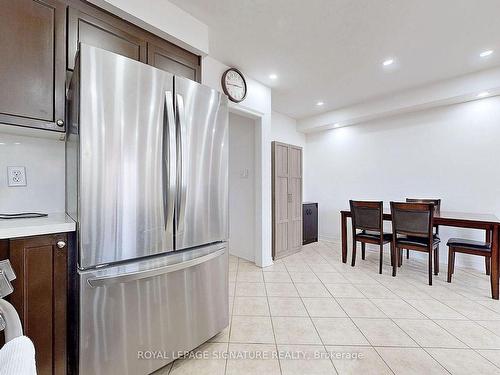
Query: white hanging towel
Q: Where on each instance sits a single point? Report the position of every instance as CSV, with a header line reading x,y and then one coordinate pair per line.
x,y
17,357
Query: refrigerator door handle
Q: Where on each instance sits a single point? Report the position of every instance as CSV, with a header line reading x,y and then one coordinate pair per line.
x,y
183,164
170,163
97,282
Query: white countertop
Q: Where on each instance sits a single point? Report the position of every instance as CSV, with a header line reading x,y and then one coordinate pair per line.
x,y
54,223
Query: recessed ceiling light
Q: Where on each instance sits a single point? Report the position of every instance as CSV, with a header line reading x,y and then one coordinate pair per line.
x,y
486,53
320,103
273,76
483,94
388,62
336,125
17,143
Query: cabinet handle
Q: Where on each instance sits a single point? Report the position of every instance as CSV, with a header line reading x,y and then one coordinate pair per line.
x,y
60,122
61,244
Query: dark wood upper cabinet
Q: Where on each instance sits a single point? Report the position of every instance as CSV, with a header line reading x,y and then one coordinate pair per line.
x,y
32,74
97,28
175,60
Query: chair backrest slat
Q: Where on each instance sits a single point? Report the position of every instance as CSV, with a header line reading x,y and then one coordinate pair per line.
x,y
412,219
367,215
435,202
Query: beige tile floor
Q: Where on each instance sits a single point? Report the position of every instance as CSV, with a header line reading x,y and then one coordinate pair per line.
x,y
325,317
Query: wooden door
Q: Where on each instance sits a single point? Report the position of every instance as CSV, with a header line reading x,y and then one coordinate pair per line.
x,y
175,60
40,298
286,198
32,61
97,28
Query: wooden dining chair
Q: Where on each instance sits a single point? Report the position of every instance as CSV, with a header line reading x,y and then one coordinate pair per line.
x,y
367,217
412,228
464,246
437,210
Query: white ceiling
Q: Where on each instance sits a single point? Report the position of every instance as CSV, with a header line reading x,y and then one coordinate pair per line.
x,y
332,50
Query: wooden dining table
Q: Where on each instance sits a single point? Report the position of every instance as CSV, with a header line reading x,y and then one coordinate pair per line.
x,y
487,222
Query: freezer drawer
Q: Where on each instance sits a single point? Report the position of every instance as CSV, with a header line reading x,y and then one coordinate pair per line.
x,y
169,304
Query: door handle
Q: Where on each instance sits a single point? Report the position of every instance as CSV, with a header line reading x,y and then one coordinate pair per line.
x,y
138,275
183,164
169,163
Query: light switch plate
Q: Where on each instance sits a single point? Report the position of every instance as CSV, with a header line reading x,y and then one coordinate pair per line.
x,y
16,176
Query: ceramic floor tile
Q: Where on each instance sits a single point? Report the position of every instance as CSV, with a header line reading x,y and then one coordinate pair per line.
x,y
255,306
277,277
411,361
304,277
472,310
339,331
248,267
492,355
360,308
295,331
426,333
383,332
252,359
312,290
434,309
297,267
323,308
471,333
251,329
491,325
397,308
463,362
250,276
331,277
208,359
281,290
349,360
344,291
276,267
244,289
376,291
319,268
287,306
301,359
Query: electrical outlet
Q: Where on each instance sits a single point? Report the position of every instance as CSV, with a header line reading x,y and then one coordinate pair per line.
x,y
16,176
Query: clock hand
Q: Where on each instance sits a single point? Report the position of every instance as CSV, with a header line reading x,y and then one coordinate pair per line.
x,y
232,84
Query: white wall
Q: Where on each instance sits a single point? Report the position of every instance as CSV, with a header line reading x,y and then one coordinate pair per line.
x,y
44,162
242,187
450,153
284,129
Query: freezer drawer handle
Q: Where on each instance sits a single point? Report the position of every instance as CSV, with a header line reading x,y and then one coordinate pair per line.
x,y
138,275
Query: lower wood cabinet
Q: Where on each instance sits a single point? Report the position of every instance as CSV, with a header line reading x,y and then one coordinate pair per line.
x,y
40,296
310,223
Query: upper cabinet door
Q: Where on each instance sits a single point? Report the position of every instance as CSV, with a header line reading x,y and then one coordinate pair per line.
x,y
174,60
32,73
102,30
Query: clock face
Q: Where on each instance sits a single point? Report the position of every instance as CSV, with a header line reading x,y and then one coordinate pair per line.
x,y
234,85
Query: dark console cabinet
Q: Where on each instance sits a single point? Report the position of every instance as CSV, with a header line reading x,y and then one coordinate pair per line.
x,y
310,223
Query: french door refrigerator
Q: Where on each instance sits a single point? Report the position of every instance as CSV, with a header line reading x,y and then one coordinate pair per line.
x,y
147,183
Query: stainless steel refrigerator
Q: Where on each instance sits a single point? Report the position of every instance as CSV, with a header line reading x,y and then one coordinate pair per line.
x,y
147,183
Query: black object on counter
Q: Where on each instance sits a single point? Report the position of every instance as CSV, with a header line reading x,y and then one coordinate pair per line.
x,y
309,223
22,215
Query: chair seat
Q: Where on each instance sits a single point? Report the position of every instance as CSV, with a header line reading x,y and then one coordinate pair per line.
x,y
374,236
416,241
469,244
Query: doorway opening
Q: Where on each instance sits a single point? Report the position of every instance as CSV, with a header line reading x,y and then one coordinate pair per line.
x,y
243,177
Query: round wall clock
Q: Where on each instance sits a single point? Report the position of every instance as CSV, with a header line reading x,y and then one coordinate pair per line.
x,y
234,85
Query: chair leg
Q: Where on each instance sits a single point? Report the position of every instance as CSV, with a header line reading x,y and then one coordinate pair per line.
x,y
381,258
363,250
487,262
436,261
430,267
407,253
450,267
394,250
400,257
353,261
